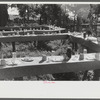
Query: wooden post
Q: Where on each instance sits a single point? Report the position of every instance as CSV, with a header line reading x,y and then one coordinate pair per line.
x,y
13,47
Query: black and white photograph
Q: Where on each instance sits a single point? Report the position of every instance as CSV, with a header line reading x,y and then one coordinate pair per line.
x,y
50,50
49,42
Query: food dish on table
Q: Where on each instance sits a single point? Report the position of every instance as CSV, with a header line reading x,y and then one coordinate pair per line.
x,y
27,59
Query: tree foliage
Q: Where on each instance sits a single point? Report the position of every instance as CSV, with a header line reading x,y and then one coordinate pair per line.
x,y
27,11
46,13
93,17
52,14
77,12
55,14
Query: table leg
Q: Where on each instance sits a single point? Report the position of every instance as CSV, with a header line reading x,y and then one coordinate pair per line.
x,y
13,46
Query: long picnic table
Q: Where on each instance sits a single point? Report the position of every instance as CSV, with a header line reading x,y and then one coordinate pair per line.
x,y
23,27
90,43
53,64
9,28
34,37
29,38
36,31
94,46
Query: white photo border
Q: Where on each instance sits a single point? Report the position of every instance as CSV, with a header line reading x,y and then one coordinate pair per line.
x,y
37,89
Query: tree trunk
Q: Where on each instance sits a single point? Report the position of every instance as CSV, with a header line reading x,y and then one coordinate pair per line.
x,y
3,15
79,22
40,21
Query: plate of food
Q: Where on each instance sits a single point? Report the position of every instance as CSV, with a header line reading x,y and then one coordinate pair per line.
x,y
27,59
12,62
57,59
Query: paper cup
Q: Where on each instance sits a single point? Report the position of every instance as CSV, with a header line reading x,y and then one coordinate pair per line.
x,y
81,57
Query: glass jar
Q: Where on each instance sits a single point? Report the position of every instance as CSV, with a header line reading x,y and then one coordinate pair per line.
x,y
44,57
97,56
81,57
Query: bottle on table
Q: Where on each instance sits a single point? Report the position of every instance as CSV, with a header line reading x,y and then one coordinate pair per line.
x,y
13,57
